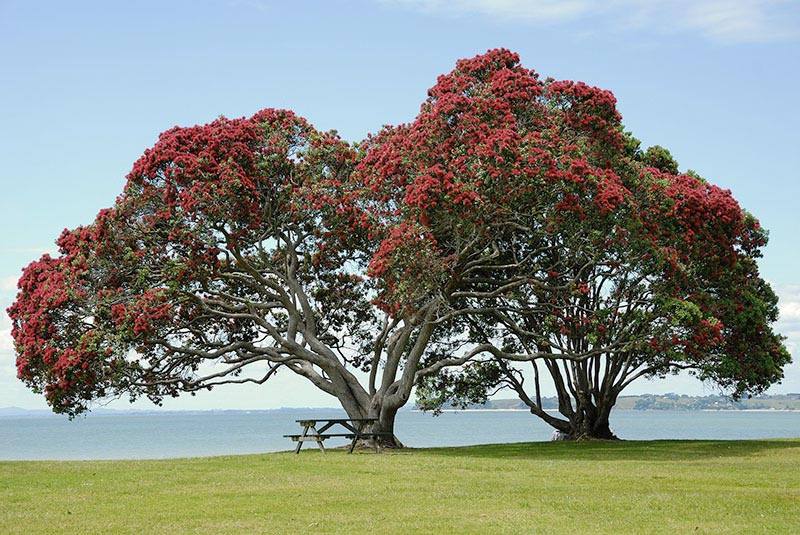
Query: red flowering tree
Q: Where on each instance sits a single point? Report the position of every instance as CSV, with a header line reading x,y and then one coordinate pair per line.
x,y
511,221
234,252
566,248
627,305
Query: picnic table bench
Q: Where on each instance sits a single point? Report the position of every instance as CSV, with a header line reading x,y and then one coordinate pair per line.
x,y
353,429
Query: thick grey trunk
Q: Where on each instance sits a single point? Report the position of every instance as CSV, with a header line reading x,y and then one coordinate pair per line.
x,y
582,418
360,405
590,425
385,412
589,420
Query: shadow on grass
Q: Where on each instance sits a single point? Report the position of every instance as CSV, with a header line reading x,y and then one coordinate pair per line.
x,y
655,450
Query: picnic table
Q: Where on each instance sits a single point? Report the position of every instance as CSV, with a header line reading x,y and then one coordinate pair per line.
x,y
350,428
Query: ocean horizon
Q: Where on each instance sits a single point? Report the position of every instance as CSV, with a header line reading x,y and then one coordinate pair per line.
x,y
156,434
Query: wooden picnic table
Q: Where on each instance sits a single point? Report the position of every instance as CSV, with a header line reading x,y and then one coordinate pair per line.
x,y
353,429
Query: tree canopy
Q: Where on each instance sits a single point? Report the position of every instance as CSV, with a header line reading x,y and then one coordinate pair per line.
x,y
512,223
617,267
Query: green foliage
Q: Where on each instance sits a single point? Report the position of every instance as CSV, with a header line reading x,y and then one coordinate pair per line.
x,y
471,386
660,158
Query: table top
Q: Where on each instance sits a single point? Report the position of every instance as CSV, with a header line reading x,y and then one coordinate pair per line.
x,y
335,420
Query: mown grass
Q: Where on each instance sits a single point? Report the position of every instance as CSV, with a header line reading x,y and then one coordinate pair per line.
x,y
656,487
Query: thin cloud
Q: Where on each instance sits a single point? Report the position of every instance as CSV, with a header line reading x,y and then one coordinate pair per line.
x,y
743,21
790,311
788,303
8,283
788,325
6,342
530,10
726,22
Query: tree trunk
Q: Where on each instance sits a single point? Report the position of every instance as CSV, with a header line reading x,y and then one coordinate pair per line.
x,y
590,421
383,402
385,416
590,427
375,406
385,424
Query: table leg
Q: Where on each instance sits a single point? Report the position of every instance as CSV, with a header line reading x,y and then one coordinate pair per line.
x,y
319,440
300,442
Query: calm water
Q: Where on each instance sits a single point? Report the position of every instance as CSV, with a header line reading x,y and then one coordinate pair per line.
x,y
169,435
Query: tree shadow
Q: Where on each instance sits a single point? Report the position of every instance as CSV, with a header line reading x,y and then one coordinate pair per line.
x,y
622,450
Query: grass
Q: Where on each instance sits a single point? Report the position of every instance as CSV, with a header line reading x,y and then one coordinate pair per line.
x,y
655,487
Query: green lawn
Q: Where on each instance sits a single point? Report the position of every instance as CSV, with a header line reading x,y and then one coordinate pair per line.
x,y
671,487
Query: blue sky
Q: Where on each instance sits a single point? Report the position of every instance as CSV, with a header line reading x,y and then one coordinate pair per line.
x,y
87,86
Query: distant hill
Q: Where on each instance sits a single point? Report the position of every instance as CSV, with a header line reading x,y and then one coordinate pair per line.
x,y
664,402
675,402
10,412
645,402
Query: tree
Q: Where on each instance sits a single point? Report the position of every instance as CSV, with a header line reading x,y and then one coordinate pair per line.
x,y
611,323
239,249
609,266
235,251
511,221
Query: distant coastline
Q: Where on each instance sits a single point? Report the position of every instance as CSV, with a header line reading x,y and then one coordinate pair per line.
x,y
658,402
644,402
643,410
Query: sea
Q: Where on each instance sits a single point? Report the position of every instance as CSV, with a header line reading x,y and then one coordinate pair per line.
x,y
164,435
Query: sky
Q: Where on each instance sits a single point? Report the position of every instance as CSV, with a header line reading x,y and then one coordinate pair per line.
x,y
87,86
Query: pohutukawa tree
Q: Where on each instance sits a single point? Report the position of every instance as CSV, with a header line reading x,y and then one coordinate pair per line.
x,y
512,221
239,249
607,265
231,254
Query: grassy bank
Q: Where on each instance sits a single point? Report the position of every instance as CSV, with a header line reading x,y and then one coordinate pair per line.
x,y
627,487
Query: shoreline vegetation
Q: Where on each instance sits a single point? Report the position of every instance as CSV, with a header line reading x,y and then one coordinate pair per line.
x,y
644,402
657,402
657,487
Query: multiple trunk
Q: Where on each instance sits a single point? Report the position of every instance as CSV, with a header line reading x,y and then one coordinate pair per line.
x,y
394,371
585,400
360,404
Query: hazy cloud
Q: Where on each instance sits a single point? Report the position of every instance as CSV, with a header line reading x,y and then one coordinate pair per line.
x,y
788,325
790,311
789,303
6,342
723,21
531,10
743,20
8,283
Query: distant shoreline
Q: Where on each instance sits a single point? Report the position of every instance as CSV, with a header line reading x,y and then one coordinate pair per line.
x,y
661,402
41,413
639,403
